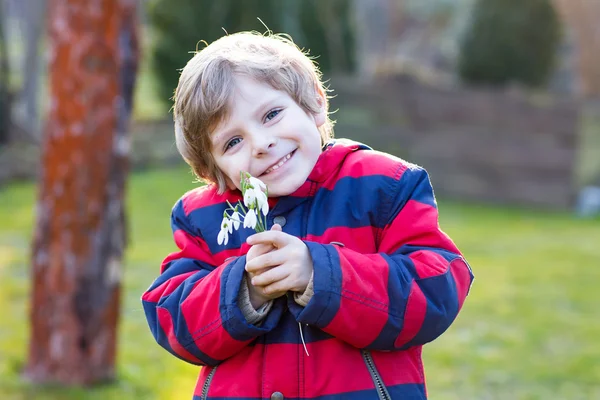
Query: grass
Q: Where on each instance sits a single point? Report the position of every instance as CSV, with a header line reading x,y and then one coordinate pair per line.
x,y
529,329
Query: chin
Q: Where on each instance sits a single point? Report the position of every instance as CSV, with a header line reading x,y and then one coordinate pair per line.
x,y
283,190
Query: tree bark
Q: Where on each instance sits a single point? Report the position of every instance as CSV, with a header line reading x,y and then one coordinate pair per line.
x,y
80,235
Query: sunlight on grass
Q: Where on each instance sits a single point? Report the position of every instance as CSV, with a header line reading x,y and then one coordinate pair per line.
x,y
529,329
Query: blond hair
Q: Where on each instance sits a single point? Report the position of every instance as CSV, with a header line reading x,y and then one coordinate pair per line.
x,y
206,85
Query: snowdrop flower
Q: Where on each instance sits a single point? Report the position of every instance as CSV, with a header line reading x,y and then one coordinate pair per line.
x,y
261,201
249,197
263,204
257,183
235,220
256,202
226,229
250,219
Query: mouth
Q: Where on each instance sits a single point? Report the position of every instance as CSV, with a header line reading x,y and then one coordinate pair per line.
x,y
278,164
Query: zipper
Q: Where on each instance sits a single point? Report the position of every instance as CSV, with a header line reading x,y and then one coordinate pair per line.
x,y
382,391
206,385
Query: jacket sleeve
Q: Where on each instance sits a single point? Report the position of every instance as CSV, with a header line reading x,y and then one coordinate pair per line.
x,y
192,307
408,293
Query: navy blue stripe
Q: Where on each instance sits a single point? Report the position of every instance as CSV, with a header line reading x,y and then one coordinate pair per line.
x,y
413,185
352,203
447,254
399,392
288,331
232,317
210,218
179,219
441,313
179,267
183,336
329,208
399,285
172,303
327,280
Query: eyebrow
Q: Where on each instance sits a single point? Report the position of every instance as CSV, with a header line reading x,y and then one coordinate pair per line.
x,y
263,107
258,112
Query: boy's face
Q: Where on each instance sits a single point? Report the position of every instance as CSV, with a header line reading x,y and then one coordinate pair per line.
x,y
268,135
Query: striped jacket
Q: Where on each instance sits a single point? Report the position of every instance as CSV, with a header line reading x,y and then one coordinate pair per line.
x,y
386,281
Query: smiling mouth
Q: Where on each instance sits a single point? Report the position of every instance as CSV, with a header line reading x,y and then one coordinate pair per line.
x,y
279,163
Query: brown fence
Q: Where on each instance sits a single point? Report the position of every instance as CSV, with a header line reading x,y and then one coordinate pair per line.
x,y
501,147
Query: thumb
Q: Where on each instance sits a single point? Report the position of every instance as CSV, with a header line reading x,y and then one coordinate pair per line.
x,y
276,227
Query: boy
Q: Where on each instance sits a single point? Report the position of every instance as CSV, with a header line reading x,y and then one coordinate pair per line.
x,y
334,301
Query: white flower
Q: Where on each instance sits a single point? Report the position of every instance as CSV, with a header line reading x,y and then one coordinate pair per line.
x,y
262,202
250,219
226,229
223,237
257,183
235,220
249,197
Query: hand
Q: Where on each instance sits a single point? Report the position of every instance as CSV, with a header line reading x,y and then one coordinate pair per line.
x,y
257,297
287,268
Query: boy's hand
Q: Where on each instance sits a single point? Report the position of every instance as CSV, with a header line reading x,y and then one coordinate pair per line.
x,y
257,297
288,267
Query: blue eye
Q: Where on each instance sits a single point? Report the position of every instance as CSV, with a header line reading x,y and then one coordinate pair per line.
x,y
272,114
232,143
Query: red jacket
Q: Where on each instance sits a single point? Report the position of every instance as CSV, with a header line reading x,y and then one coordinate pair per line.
x,y
386,281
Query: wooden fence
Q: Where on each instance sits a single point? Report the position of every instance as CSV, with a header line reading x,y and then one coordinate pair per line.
x,y
495,146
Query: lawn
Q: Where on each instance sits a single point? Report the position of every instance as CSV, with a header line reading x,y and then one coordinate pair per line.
x,y
530,328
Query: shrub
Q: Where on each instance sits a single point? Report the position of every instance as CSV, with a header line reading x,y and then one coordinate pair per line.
x,y
180,26
510,41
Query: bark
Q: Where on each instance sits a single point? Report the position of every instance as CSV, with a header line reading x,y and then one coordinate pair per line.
x,y
80,235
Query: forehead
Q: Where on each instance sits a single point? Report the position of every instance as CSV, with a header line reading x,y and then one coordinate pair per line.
x,y
251,90
247,100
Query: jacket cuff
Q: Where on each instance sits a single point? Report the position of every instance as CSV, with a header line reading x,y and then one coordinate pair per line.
x,y
302,299
233,320
327,286
253,317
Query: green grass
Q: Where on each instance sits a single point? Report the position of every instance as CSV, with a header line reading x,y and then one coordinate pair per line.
x,y
530,328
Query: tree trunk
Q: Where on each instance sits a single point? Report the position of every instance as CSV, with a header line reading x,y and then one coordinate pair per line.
x,y
32,24
80,234
5,95
581,19
372,21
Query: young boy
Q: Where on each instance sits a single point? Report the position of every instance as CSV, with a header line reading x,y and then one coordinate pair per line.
x,y
334,301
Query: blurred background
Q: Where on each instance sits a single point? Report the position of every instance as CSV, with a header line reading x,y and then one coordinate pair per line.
x,y
498,99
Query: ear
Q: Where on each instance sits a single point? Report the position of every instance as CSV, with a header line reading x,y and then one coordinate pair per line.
x,y
321,116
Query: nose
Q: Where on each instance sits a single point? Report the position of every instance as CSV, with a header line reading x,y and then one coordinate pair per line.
x,y
262,144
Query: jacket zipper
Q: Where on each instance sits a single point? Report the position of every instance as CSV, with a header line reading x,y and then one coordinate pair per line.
x,y
206,385
381,389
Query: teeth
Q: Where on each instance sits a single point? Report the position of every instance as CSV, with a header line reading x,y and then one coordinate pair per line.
x,y
279,164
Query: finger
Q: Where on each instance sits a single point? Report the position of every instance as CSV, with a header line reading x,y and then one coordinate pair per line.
x,y
270,276
281,286
273,295
276,227
274,237
271,259
253,274
259,249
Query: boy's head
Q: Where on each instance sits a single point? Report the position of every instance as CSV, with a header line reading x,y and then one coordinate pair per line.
x,y
219,124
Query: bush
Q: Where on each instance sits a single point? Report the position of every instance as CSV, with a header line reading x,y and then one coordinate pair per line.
x,y
180,26
510,41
